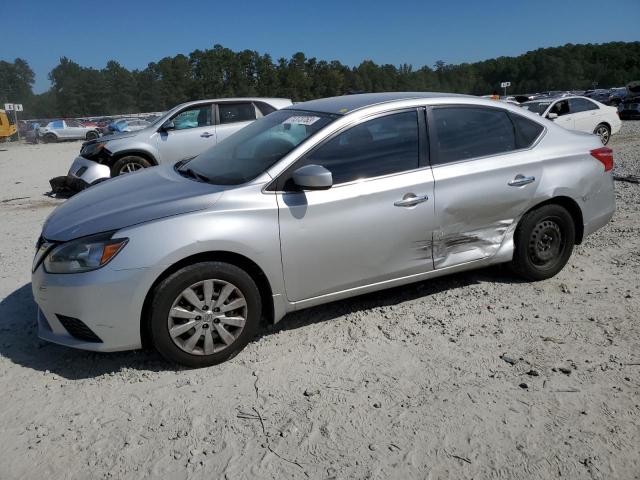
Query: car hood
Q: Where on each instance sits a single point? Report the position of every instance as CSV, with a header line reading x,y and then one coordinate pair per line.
x,y
116,136
128,200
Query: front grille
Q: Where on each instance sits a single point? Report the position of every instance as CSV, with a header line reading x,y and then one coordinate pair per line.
x,y
78,329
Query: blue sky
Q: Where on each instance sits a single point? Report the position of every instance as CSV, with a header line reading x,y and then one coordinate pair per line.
x,y
399,31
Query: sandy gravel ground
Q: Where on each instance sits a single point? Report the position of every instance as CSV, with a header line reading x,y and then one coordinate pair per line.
x,y
477,375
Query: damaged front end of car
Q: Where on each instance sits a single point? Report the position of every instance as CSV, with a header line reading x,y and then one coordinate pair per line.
x,y
90,168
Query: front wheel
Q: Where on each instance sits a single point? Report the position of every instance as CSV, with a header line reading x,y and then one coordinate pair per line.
x,y
544,241
604,132
92,135
205,314
129,164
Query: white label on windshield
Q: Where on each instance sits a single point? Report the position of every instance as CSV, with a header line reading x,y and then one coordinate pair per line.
x,y
301,120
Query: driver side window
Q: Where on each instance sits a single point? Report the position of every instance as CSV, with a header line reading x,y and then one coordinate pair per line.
x,y
561,108
382,146
199,116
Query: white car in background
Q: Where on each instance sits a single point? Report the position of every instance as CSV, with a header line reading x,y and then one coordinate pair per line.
x,y
578,113
57,130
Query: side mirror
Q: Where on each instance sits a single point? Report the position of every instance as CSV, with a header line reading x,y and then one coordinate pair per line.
x,y
313,177
168,125
552,116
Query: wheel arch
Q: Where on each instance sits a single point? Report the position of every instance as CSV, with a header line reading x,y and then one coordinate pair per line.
x,y
572,207
241,261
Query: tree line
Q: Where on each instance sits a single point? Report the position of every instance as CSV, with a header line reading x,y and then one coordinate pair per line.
x,y
221,72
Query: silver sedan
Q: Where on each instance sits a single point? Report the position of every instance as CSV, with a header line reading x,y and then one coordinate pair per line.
x,y
316,202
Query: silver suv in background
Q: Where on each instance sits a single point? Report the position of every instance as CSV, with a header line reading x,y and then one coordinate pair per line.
x,y
58,130
316,202
184,132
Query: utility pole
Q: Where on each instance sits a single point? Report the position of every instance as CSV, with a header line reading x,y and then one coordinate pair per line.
x,y
16,115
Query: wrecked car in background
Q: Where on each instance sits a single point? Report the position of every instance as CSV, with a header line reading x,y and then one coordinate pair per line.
x,y
127,125
184,132
629,108
71,129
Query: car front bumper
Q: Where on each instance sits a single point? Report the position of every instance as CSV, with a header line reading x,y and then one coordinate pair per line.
x,y
88,171
108,302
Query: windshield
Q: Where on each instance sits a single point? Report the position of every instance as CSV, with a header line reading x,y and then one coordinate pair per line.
x,y
247,153
536,107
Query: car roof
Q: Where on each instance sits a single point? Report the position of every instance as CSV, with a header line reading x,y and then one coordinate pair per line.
x,y
348,103
274,101
556,98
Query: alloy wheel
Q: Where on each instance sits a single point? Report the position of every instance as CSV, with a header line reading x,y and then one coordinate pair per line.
x,y
207,317
129,168
603,133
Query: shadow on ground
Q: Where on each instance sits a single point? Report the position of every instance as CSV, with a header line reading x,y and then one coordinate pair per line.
x,y
20,344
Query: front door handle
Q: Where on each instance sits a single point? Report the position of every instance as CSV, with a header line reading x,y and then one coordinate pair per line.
x,y
521,180
206,135
411,200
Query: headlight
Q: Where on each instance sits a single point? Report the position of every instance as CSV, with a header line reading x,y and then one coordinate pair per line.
x,y
42,248
92,149
84,254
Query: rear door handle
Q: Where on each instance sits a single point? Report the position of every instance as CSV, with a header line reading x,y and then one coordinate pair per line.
x,y
411,200
521,180
206,135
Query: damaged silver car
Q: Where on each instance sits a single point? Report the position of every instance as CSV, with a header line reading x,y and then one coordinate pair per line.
x,y
316,202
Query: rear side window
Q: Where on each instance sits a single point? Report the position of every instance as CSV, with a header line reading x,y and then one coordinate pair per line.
x,y
236,112
56,124
265,108
527,131
581,105
469,132
381,146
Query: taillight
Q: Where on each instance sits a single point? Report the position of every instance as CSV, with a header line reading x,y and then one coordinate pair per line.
x,y
605,155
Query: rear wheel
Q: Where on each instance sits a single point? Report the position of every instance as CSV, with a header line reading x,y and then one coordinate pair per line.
x,y
205,314
604,132
50,138
129,164
92,135
544,242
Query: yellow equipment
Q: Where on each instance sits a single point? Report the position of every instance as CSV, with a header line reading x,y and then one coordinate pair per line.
x,y
7,127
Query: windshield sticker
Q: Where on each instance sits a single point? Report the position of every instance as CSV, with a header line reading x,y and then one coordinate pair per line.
x,y
301,120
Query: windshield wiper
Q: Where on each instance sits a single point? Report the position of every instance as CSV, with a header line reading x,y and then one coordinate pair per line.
x,y
189,172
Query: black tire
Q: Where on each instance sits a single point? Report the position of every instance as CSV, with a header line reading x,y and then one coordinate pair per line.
x,y
544,241
129,164
92,135
604,132
49,138
170,289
